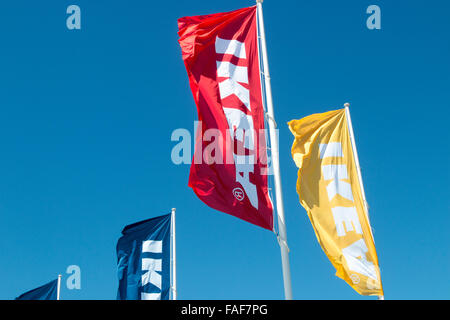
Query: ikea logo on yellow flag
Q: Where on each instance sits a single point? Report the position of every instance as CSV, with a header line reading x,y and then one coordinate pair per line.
x,y
330,189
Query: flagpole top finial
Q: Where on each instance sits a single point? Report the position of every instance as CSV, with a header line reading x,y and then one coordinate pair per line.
x,y
346,104
259,1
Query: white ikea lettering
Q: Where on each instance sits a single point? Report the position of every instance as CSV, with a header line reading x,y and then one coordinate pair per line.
x,y
229,70
336,173
240,126
151,266
233,47
150,276
332,149
230,86
150,296
239,123
154,246
243,170
233,73
346,217
355,255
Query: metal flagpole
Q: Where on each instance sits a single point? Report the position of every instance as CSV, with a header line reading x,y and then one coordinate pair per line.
x,y
355,154
275,160
58,288
174,257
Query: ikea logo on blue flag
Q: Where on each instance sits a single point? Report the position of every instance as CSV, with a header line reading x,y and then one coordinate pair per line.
x,y
143,258
151,268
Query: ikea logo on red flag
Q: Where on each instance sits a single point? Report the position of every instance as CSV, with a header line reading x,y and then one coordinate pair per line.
x,y
240,121
220,52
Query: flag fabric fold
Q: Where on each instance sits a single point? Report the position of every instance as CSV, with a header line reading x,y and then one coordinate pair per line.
x,y
329,189
143,260
229,169
46,292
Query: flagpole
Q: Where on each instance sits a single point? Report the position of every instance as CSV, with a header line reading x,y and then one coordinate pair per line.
x,y
174,257
58,288
275,160
355,154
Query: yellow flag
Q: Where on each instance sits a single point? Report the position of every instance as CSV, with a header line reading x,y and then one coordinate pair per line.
x,y
330,191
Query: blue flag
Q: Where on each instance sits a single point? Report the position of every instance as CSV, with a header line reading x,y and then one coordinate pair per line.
x,y
143,259
46,292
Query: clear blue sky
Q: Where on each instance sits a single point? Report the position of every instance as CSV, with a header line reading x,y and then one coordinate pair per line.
x,y
86,118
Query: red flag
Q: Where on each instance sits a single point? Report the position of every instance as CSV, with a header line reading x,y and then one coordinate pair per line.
x,y
220,52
